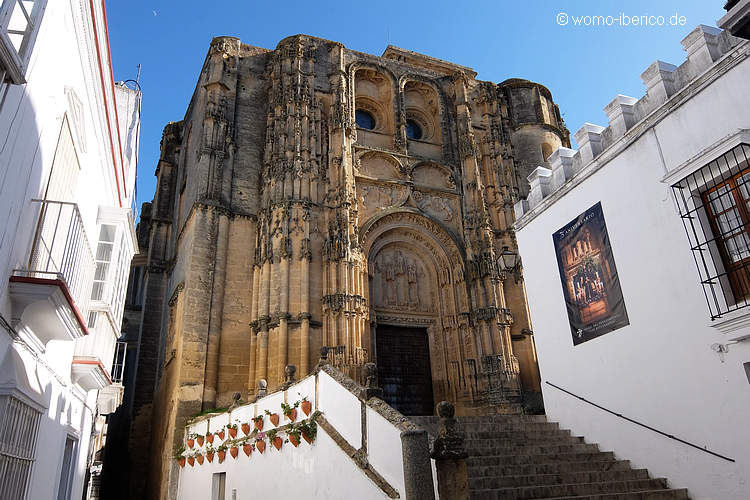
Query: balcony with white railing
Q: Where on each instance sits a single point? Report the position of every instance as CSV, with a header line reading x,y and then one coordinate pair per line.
x,y
110,396
50,294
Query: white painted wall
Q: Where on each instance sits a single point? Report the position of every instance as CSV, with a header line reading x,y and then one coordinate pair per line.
x,y
384,449
63,60
342,409
660,369
318,470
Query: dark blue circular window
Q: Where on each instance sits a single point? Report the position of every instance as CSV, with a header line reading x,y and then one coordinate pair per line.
x,y
364,119
413,130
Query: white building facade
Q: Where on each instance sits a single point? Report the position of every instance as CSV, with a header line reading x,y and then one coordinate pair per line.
x,y
68,152
635,251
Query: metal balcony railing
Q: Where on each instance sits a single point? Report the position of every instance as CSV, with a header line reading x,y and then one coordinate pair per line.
x,y
61,251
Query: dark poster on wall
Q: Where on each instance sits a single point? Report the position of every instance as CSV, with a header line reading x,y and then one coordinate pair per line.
x,y
589,277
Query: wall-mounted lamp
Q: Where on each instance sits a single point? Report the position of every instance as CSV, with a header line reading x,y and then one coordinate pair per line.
x,y
509,262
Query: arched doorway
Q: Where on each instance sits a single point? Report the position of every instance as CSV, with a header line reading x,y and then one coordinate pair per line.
x,y
415,290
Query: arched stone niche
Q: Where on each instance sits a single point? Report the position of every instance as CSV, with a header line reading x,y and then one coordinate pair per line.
x,y
374,93
380,166
432,174
422,103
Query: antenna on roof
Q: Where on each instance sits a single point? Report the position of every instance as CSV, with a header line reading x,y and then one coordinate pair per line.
x,y
138,74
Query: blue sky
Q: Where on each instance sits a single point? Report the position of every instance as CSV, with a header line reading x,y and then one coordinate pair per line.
x,y
583,66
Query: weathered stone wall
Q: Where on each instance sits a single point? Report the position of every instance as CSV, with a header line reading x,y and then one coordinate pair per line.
x,y
280,226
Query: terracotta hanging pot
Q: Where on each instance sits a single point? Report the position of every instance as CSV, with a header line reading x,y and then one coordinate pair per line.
x,y
247,448
306,437
234,451
258,424
294,440
222,455
181,461
292,414
210,438
200,440
210,456
190,442
246,428
221,434
233,432
260,446
306,407
199,458
191,461
277,442
274,418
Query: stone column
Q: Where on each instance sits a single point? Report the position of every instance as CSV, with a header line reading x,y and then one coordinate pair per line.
x,y
450,456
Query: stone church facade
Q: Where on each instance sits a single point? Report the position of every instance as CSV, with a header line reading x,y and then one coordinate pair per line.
x,y
314,196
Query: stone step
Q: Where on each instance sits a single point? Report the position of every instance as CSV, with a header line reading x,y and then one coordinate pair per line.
x,y
512,427
516,457
499,418
522,435
484,483
490,423
482,470
514,442
680,494
483,448
540,459
562,490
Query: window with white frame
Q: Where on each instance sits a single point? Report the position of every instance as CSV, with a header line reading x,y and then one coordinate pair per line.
x,y
19,25
714,204
112,265
120,275
104,255
19,425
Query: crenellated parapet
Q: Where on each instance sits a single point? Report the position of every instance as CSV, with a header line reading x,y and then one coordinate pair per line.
x,y
708,51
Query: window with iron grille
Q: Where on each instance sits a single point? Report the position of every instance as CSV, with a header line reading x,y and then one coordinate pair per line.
x,y
19,425
714,204
19,25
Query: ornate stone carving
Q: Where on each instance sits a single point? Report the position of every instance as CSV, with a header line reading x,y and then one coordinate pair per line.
x,y
397,281
432,175
436,206
305,251
375,197
379,166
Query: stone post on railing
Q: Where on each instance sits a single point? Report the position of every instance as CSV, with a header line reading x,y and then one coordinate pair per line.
x,y
415,450
289,371
450,456
371,382
323,356
262,389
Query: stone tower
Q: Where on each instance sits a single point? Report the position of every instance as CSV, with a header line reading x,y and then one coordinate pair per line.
x,y
316,196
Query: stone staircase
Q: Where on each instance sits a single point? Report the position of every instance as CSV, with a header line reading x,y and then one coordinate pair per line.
x,y
526,457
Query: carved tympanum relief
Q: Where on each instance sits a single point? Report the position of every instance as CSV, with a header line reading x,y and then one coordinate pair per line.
x,y
436,206
374,197
433,176
378,167
400,281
